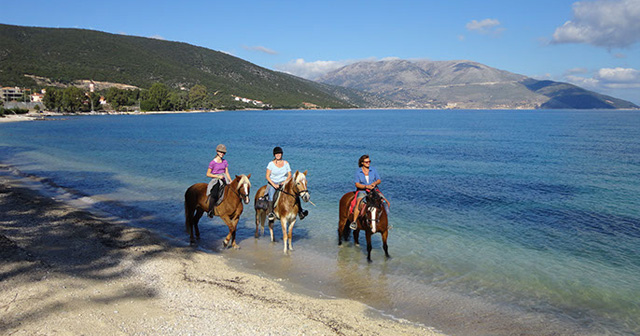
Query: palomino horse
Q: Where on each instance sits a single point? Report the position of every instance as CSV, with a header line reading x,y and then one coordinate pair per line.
x,y
372,219
196,202
287,207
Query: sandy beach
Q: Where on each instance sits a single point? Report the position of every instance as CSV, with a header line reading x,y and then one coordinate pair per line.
x,y
64,271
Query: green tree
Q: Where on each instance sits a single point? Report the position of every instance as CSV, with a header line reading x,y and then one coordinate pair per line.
x,y
198,98
52,99
158,98
73,99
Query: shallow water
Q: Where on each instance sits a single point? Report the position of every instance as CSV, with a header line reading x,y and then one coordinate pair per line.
x,y
505,222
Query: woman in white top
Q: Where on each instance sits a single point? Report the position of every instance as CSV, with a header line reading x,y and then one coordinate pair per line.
x,y
278,173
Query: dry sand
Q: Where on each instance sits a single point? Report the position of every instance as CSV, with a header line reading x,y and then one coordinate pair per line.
x,y
65,271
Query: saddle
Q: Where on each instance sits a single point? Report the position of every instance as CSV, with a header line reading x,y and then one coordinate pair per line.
x,y
220,195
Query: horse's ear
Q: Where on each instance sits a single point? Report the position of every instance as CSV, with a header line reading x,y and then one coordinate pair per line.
x,y
305,173
236,177
249,176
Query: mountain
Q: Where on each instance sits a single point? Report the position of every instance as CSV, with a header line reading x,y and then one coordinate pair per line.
x,y
56,55
464,84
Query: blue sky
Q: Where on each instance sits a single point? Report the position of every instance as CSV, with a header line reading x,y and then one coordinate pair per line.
x,y
594,44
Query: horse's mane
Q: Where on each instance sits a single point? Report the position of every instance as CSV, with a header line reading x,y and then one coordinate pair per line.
x,y
243,179
297,177
374,198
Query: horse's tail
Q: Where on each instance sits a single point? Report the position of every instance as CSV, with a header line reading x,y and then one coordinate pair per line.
x,y
345,232
188,212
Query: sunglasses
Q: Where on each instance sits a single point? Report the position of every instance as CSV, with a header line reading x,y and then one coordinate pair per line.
x,y
368,161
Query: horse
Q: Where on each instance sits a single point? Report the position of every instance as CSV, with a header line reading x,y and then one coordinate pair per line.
x,y
286,209
196,202
372,219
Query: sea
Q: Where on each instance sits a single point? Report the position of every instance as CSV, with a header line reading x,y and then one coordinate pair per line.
x,y
505,222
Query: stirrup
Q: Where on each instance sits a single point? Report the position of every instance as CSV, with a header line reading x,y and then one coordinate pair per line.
x,y
353,225
210,213
271,217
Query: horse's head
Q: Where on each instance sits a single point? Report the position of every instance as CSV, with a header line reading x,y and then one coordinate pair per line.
x,y
244,186
300,185
374,207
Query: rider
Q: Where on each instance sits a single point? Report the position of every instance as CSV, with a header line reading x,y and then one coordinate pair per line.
x,y
366,180
278,173
218,171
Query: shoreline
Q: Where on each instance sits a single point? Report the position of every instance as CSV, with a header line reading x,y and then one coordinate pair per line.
x,y
44,115
68,270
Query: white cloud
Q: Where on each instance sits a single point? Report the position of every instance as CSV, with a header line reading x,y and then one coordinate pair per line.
x,y
486,26
619,77
311,70
158,37
607,79
603,23
261,49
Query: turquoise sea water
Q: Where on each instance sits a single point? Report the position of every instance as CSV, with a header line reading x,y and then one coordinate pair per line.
x,y
505,222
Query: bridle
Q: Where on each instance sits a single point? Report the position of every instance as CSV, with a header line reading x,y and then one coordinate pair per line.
x,y
242,197
371,208
296,193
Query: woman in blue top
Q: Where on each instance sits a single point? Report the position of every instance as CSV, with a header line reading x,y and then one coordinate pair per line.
x,y
366,180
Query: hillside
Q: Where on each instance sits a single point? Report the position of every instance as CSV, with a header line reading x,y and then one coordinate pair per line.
x,y
68,55
463,84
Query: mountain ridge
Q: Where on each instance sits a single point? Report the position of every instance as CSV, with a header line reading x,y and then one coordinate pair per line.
x,y
65,55
463,84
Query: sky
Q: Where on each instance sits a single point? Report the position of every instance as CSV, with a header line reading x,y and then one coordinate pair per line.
x,y
594,44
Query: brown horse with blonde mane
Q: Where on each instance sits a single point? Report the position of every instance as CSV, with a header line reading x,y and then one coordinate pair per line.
x,y
196,202
286,209
372,219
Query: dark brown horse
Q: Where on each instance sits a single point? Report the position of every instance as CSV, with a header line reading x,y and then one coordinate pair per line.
x,y
372,219
196,202
286,209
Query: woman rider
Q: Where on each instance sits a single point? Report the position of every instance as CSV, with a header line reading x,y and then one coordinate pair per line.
x,y
278,173
366,180
218,171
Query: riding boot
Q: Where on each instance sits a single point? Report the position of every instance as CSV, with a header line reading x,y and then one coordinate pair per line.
x,y
212,203
301,212
271,216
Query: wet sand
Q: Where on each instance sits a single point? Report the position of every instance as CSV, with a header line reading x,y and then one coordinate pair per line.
x,y
65,271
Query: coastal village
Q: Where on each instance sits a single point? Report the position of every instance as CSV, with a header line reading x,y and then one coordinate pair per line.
x,y
24,100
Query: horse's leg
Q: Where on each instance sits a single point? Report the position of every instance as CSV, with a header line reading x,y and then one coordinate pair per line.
x,y
273,238
368,235
356,237
283,221
234,227
263,219
227,240
385,234
188,223
340,228
196,220
257,234
291,234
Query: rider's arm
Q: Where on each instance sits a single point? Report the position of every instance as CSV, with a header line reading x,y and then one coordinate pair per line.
x,y
226,173
269,179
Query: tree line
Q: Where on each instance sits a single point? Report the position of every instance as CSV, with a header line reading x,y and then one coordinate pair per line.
x,y
157,98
